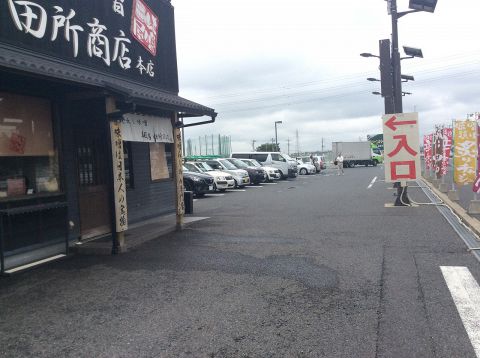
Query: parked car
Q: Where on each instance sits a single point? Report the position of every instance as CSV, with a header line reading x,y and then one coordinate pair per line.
x,y
240,176
272,173
283,162
257,175
311,160
223,181
198,183
306,168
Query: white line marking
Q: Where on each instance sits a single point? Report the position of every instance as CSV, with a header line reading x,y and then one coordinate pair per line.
x,y
195,200
466,295
258,186
214,194
36,263
269,183
373,182
236,189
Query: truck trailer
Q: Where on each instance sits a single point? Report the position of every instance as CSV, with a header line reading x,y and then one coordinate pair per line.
x,y
356,153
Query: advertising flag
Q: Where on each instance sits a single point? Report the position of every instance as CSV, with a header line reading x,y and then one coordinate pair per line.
x,y
447,147
438,151
427,150
465,152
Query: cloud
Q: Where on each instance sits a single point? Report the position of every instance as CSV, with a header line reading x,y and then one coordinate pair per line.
x,y
298,62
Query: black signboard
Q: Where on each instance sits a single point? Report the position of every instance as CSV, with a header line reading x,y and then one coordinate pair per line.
x,y
132,39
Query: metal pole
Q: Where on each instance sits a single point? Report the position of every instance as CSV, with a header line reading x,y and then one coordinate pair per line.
x,y
276,140
397,81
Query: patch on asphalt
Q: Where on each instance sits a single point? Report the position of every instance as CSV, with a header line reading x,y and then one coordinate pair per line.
x,y
186,256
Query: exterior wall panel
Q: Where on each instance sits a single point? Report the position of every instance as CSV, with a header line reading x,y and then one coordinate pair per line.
x,y
147,199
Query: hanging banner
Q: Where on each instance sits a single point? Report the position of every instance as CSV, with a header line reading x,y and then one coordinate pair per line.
x,y
447,147
427,150
465,152
438,151
148,129
476,183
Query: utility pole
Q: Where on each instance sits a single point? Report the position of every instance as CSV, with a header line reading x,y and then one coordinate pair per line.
x,y
253,144
322,145
297,144
288,146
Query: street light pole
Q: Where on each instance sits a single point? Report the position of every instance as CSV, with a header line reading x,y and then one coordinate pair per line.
x,y
276,138
396,67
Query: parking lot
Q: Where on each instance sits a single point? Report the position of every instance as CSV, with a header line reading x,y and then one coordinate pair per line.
x,y
309,267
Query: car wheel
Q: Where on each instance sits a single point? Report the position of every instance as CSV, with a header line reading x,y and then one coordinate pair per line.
x,y
303,171
222,190
282,176
236,184
214,187
200,195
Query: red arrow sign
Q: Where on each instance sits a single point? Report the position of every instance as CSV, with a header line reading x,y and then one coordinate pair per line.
x,y
392,124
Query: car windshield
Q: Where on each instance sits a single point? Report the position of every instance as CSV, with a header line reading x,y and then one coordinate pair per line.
x,y
228,165
191,167
254,163
185,169
205,167
286,156
238,163
306,160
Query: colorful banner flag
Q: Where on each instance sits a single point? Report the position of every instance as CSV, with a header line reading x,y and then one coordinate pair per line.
x,y
427,150
465,152
438,151
447,147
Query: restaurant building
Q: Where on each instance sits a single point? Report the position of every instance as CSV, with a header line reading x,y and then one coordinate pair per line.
x,y
89,122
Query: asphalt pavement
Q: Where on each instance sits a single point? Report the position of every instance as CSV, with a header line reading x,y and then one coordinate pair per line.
x,y
311,267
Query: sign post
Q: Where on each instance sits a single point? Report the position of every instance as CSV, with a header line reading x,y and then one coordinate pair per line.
x,y
402,152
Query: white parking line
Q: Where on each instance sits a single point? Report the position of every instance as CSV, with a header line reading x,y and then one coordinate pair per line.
x,y
236,190
214,194
257,186
269,183
195,200
373,182
466,295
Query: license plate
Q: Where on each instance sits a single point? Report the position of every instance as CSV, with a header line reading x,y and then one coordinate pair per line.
x,y
245,180
210,187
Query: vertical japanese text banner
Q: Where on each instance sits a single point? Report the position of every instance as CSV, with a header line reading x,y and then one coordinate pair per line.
x,y
427,150
465,152
402,147
447,147
476,183
438,151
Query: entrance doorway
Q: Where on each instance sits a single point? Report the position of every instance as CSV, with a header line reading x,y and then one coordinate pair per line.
x,y
92,168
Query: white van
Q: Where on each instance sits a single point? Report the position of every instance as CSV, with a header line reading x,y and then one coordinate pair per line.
x,y
283,162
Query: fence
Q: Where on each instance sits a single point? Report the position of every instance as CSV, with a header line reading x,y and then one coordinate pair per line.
x,y
209,145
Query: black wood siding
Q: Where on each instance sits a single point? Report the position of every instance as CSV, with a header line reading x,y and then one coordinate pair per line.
x,y
147,199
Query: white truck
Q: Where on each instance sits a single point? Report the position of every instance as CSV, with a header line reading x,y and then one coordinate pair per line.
x,y
356,153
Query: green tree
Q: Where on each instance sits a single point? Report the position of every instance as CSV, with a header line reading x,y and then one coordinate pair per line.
x,y
268,147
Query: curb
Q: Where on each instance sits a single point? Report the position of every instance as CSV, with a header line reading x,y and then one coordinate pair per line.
x,y
469,221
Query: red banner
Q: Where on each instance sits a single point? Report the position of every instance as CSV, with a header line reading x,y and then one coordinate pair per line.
x,y
447,147
427,150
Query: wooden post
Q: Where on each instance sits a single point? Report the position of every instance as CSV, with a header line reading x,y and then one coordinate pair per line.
x,y
178,163
119,186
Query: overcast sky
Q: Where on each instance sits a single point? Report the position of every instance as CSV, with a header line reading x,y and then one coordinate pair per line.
x,y
260,61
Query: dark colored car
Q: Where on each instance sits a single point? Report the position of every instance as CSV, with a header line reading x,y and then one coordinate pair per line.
x,y
257,175
198,183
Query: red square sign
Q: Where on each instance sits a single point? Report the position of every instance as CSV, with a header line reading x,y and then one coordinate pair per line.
x,y
145,26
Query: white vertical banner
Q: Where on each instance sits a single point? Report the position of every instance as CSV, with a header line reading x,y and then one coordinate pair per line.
x,y
402,147
121,214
